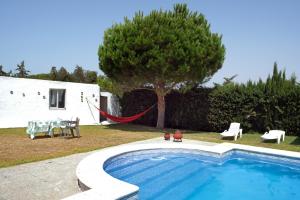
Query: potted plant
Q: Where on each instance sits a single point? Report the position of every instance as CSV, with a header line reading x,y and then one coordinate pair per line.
x,y
167,136
177,136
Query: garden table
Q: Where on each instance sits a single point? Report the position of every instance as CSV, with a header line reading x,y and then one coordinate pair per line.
x,y
46,127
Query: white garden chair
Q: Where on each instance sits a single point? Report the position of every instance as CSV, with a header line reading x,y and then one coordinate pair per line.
x,y
274,135
233,131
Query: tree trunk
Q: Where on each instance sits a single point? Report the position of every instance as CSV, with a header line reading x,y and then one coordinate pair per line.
x,y
161,109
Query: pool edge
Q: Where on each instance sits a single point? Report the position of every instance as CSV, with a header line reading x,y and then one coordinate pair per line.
x,y
91,174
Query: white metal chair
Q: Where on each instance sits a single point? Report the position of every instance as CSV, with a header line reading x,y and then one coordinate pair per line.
x,y
233,131
67,128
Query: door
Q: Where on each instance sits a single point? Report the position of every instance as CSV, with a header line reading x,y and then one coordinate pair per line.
x,y
103,107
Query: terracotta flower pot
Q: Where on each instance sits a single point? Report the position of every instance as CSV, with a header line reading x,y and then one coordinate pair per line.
x,y
177,136
167,136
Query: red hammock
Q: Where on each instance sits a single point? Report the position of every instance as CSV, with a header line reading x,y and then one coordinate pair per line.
x,y
122,119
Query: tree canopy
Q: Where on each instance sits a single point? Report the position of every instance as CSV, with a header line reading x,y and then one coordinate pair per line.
x,y
79,74
165,46
53,75
3,73
21,70
164,50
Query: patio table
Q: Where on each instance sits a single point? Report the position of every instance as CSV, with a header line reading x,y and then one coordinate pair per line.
x,y
46,127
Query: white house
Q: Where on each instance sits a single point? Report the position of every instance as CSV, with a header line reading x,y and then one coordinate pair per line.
x,y
23,100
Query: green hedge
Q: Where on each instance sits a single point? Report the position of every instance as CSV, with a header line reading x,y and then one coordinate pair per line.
x,y
184,111
260,106
188,110
257,109
137,101
274,104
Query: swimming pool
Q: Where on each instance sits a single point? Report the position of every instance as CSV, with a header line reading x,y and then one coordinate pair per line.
x,y
191,174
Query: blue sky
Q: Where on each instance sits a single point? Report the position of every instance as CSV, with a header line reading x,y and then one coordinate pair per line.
x,y
46,33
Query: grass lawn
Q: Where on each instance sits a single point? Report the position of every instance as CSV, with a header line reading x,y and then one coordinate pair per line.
x,y
17,148
291,143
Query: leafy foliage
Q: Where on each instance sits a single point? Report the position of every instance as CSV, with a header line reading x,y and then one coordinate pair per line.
x,y
3,73
21,70
40,76
109,85
258,106
162,51
90,76
53,75
63,75
137,101
183,110
78,75
170,46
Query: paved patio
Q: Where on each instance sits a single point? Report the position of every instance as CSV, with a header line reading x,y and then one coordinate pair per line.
x,y
49,179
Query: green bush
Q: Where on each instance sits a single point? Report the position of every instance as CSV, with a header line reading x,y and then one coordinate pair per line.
x,y
137,101
188,110
261,106
183,110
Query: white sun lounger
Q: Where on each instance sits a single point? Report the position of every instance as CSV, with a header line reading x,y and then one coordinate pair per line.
x,y
274,135
233,131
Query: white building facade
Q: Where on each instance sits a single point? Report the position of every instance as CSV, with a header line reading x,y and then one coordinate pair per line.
x,y
23,100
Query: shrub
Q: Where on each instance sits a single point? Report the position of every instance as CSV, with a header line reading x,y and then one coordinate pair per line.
x,y
258,106
183,110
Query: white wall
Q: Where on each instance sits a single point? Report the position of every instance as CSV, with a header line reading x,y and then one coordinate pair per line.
x,y
16,110
113,106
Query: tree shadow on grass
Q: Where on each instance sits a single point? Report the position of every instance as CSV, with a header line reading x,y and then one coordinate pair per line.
x,y
296,141
132,128
231,139
143,128
190,132
270,141
56,135
37,137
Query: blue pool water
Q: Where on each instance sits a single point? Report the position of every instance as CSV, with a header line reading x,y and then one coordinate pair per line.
x,y
184,174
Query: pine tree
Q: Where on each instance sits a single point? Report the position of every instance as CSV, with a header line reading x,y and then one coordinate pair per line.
x,y
162,51
78,74
53,74
63,75
21,70
90,76
228,80
2,73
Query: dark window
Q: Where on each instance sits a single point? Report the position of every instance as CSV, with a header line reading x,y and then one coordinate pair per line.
x,y
57,98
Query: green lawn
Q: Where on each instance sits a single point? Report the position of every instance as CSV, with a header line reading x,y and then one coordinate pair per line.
x,y
291,143
16,148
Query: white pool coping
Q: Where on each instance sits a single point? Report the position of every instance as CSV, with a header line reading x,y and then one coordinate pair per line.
x,y
90,170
